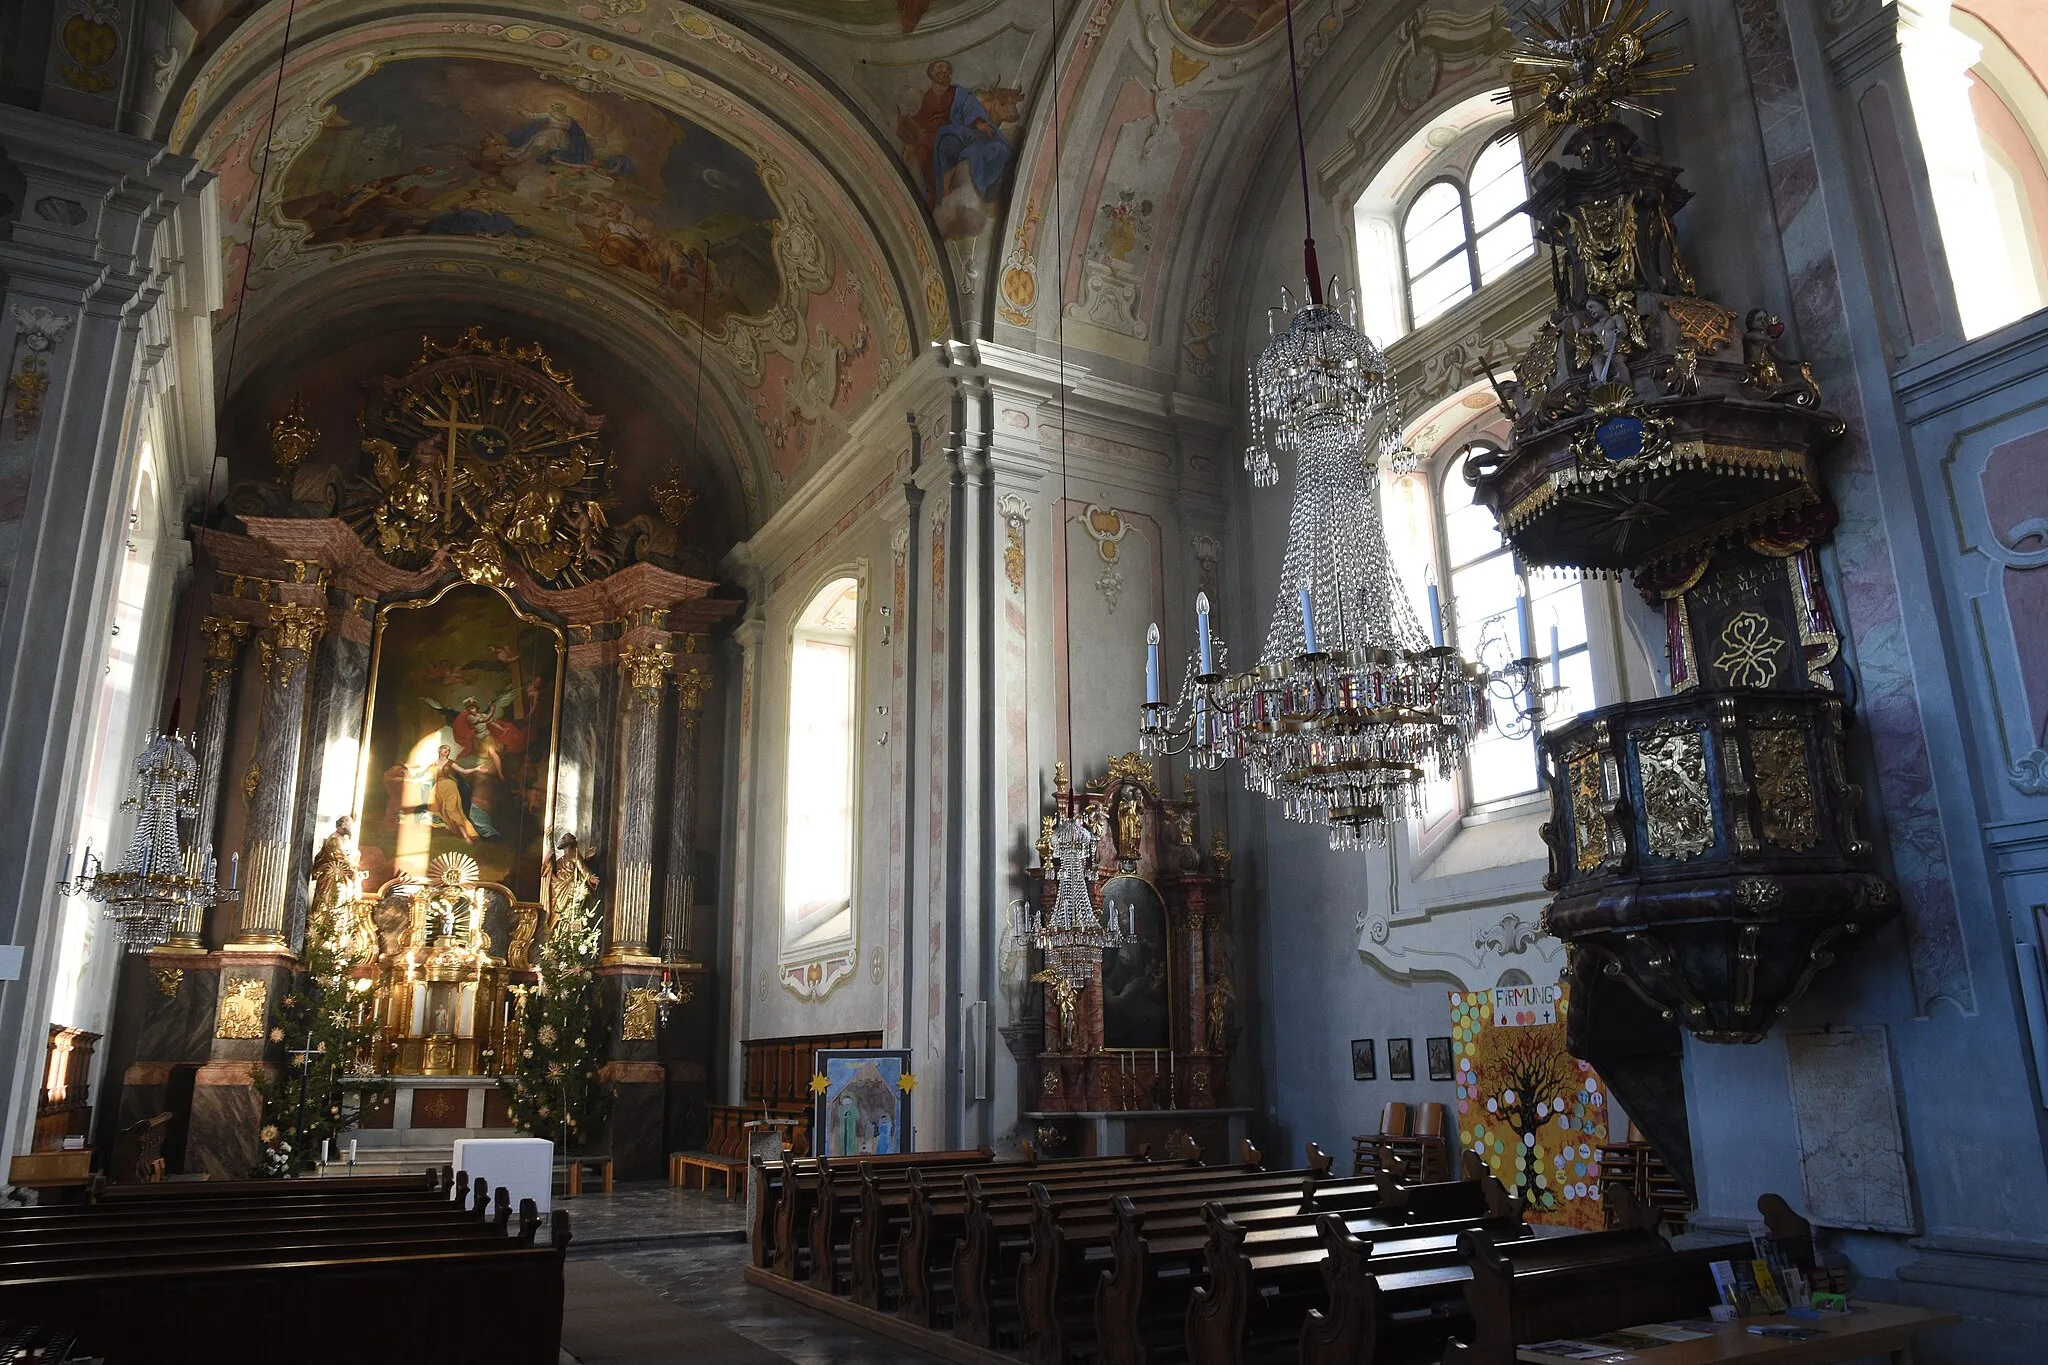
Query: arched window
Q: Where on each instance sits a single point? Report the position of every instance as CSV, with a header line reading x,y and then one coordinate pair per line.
x,y
1982,114
1495,613
1442,220
818,832
1460,236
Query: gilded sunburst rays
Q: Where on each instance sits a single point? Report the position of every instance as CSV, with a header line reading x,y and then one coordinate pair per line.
x,y
1584,59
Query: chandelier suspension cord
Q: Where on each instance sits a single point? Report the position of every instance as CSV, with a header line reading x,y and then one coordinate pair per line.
x,y
1059,245
235,333
1308,229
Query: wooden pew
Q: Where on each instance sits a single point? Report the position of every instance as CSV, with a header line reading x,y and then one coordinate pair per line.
x,y
1575,1286
796,1190
873,1238
1261,1284
1071,1248
235,1283
1142,1304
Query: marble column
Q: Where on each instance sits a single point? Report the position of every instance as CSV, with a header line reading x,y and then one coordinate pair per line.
x,y
272,784
224,635
643,673
679,888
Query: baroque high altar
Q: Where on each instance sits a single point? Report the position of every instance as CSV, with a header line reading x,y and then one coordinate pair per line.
x,y
436,697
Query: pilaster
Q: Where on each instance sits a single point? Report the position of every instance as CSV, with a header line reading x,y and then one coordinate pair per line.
x,y
285,662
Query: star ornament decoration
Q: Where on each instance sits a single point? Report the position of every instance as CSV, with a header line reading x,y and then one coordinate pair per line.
x,y
906,1082
819,1085
1583,60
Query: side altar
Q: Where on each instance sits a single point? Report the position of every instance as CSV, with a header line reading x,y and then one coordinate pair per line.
x,y
1139,1053
436,684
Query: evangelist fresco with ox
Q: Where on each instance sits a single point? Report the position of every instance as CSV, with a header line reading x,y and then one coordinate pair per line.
x,y
467,147
459,757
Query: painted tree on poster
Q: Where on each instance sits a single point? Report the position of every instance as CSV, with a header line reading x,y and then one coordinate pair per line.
x,y
1535,1114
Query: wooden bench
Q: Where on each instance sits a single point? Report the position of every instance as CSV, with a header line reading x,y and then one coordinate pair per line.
x,y
1576,1286
725,1149
576,1167
274,1265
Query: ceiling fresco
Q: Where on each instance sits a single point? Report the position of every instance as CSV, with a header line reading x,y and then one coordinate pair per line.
x,y
463,147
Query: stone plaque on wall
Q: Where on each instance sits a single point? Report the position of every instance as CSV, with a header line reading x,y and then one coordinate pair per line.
x,y
1850,1148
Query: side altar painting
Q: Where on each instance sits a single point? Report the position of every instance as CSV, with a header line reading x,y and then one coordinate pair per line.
x,y
460,751
1536,1114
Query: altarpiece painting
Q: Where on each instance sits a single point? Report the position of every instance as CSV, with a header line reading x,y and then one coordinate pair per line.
x,y
460,753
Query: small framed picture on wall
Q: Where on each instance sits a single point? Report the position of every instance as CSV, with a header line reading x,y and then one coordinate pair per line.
x,y
1400,1059
1363,1067
1439,1052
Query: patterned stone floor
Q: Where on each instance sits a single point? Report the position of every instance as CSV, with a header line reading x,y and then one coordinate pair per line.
x,y
688,1303
650,1213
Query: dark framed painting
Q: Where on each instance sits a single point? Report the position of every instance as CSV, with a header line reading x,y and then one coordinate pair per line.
x,y
458,761
1137,999
1438,1051
1363,1064
1400,1059
862,1102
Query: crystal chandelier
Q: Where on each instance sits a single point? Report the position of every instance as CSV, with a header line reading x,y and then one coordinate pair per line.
x,y
1072,935
150,893
1349,708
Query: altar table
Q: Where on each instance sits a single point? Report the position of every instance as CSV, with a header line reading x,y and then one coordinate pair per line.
x,y
524,1166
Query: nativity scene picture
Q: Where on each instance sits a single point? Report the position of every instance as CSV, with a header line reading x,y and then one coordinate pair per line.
x,y
1244,682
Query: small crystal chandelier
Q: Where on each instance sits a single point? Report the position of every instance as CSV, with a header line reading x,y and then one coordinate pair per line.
x,y
1350,708
1074,934
154,888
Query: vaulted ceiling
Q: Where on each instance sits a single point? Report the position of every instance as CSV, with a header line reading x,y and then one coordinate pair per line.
x,y
764,209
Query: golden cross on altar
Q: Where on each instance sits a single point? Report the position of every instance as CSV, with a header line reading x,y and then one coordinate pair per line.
x,y
454,426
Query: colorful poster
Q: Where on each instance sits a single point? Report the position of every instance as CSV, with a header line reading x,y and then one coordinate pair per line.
x,y
459,751
863,1103
1536,1114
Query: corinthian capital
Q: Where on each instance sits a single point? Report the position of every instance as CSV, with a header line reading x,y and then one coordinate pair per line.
x,y
646,666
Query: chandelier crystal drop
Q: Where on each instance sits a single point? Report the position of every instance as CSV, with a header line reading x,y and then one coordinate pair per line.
x,y
1073,935
154,886
1350,708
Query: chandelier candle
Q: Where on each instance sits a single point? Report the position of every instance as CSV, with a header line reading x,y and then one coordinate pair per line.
x,y
1151,670
1308,622
1208,661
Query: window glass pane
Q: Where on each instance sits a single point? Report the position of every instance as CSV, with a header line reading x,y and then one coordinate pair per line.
x,y
1503,248
817,868
1497,188
1500,767
1470,532
1558,605
1432,293
1575,674
1434,227
1485,593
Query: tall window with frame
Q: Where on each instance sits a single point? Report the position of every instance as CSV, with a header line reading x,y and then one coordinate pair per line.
x,y
823,769
1463,230
1497,614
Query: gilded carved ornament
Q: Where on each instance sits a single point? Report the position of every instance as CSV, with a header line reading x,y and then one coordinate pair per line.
x,y
646,666
1678,815
640,1009
292,437
244,1004
691,686
224,636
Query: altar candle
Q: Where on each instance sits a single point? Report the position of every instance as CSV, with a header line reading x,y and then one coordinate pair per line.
x,y
235,872
1151,666
351,1151
325,1144
1556,664
69,849
1208,661
1522,622
1436,616
1308,622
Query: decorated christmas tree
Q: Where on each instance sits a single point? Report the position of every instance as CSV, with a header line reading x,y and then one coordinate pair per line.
x,y
556,1091
326,1028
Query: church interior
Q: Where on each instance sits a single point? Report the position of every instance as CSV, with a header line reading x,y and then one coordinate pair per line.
x,y
1291,680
